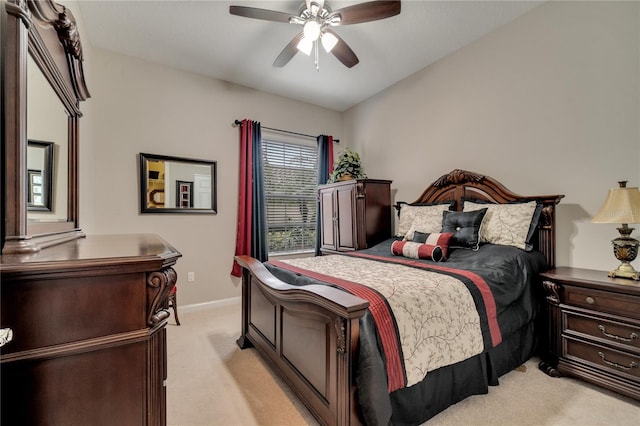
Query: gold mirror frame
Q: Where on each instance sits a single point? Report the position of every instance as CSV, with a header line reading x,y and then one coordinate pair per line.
x,y
47,31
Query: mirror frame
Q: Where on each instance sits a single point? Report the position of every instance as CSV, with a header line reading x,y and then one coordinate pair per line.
x,y
47,31
47,177
144,188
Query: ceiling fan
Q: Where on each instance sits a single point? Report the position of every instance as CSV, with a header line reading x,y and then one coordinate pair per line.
x,y
317,19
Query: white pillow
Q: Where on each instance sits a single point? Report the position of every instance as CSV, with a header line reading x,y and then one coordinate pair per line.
x,y
427,219
506,224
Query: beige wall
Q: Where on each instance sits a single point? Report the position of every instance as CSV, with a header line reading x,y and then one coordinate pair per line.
x,y
137,106
548,104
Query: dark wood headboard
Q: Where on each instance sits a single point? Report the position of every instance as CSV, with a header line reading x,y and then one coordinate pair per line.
x,y
460,185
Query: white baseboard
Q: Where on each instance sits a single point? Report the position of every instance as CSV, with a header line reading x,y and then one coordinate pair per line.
x,y
209,305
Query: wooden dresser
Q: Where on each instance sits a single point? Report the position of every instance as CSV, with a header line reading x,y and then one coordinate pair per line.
x,y
356,214
88,320
594,328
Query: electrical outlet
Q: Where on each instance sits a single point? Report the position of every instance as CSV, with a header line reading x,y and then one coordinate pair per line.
x,y
191,277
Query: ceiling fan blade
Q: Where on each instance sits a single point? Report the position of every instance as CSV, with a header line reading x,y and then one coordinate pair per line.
x,y
366,12
264,14
343,52
288,52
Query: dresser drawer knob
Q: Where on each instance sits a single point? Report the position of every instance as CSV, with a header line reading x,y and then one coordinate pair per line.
x,y
6,335
590,300
616,365
613,336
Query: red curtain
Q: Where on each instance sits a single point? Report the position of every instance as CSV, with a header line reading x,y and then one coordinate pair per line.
x,y
330,156
245,195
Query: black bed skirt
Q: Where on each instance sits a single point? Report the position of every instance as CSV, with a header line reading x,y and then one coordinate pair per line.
x,y
451,384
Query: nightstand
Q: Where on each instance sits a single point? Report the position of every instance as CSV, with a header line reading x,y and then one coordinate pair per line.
x,y
594,328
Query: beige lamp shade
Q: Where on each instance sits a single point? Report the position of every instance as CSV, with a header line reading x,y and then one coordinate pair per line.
x,y
621,206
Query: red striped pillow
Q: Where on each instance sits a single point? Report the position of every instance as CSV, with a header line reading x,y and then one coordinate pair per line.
x,y
435,239
417,250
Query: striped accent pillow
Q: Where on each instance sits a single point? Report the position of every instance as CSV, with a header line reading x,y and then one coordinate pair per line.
x,y
416,250
441,240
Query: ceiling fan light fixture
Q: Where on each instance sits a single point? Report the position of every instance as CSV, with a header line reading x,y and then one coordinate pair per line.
x,y
305,45
334,19
311,30
329,41
296,20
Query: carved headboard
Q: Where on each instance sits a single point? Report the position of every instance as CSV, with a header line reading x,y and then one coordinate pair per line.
x,y
460,185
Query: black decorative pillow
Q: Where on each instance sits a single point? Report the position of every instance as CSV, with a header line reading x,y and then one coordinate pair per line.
x,y
465,227
533,227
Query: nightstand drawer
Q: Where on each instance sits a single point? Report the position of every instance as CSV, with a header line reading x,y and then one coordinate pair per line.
x,y
601,301
604,358
627,336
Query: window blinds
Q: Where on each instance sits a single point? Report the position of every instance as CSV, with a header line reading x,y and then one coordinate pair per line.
x,y
290,183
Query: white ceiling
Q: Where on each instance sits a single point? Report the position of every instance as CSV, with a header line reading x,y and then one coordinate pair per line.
x,y
201,36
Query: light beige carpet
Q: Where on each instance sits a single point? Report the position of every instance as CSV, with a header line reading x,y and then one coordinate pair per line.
x,y
212,382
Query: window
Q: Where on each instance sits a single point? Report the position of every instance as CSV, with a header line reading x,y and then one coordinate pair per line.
x,y
290,184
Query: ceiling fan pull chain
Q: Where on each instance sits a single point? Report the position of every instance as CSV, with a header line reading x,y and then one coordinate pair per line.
x,y
317,58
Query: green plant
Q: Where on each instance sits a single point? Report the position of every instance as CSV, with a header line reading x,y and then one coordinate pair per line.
x,y
347,164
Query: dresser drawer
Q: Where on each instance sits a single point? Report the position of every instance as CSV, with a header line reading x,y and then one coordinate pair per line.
x,y
51,312
626,336
601,301
611,360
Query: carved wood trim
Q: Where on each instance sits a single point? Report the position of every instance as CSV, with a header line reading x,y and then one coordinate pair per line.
x,y
19,9
67,349
458,176
157,376
341,338
50,13
159,285
44,59
552,291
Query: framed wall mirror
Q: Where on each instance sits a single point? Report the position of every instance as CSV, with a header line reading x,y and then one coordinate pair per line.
x,y
177,185
39,175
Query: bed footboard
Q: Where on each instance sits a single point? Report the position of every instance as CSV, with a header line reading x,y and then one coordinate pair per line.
x,y
308,334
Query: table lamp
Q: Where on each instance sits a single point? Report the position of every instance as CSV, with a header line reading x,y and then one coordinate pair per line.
x,y
622,206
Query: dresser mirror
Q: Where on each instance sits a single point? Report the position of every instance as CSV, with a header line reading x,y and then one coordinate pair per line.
x,y
43,86
47,150
177,185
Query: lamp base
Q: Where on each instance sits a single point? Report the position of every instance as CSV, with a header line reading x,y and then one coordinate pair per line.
x,y
625,270
625,249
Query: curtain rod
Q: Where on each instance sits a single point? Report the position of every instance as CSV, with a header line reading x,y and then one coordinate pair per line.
x,y
236,123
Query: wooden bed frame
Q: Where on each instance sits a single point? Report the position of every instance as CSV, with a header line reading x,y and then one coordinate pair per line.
x,y
309,334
